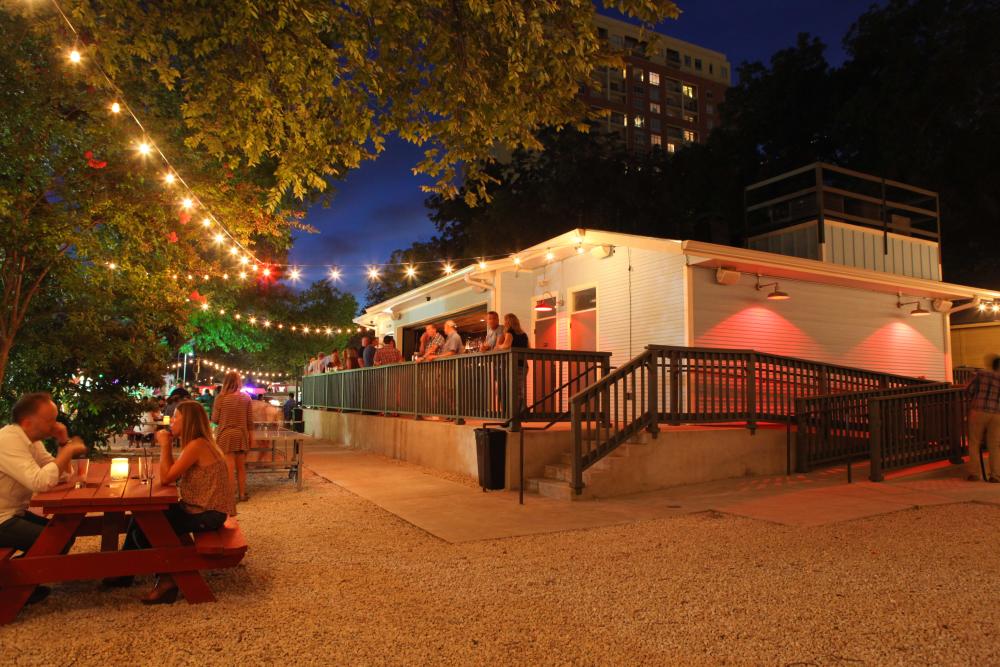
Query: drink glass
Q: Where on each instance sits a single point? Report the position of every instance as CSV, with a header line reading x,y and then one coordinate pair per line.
x,y
82,468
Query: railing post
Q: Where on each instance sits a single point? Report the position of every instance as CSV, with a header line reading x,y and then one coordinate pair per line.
x,y
652,391
416,386
875,430
514,390
458,393
752,392
957,428
576,464
675,388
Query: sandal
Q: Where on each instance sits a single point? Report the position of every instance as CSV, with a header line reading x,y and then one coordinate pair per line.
x,y
161,595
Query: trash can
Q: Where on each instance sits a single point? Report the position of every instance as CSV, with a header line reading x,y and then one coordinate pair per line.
x,y
491,455
297,423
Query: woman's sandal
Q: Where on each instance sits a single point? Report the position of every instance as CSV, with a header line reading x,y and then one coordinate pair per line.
x,y
167,596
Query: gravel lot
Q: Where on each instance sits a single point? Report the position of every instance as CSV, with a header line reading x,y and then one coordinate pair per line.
x,y
333,579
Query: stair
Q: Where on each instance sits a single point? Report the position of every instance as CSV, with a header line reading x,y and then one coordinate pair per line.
x,y
556,482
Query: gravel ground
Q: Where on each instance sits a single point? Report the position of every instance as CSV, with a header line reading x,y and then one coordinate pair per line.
x,y
333,579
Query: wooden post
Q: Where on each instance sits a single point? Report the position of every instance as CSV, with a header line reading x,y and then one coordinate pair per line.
x,y
875,430
652,388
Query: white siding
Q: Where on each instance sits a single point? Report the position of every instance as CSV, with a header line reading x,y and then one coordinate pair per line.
x,y
651,310
864,248
821,322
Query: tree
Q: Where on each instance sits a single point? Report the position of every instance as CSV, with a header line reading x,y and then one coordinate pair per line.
x,y
310,88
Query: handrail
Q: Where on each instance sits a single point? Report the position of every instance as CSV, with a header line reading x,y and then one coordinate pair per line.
x,y
493,386
675,384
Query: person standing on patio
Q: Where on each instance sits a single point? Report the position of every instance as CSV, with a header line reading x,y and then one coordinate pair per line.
x,y
430,343
333,362
205,486
26,468
368,352
388,353
494,332
984,421
233,417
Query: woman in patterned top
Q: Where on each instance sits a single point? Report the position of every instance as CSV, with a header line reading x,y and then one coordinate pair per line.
x,y
206,492
233,417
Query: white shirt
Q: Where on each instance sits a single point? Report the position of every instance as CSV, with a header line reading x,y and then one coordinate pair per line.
x,y
25,468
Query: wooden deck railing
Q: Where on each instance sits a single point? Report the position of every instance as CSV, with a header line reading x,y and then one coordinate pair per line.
x,y
675,385
917,428
493,386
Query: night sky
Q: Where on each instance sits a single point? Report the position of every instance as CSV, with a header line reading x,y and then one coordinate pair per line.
x,y
380,206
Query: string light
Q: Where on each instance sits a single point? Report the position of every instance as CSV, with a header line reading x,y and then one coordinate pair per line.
x,y
482,264
243,275
411,272
75,57
266,272
334,274
144,148
187,203
448,269
549,256
294,274
115,107
206,223
373,273
169,178
219,238
517,261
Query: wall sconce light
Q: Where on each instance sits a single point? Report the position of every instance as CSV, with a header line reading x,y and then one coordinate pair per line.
x,y
546,304
916,312
776,294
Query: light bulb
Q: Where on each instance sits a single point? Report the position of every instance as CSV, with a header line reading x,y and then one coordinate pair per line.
x,y
517,261
112,266
410,272
334,274
75,57
243,275
219,238
267,323
373,273
244,260
579,250
448,268
238,316
225,276
294,274
169,178
266,272
206,222
144,148
233,250
115,107
549,256
187,203
204,306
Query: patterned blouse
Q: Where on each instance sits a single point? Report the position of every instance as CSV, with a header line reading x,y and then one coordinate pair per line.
x,y
204,488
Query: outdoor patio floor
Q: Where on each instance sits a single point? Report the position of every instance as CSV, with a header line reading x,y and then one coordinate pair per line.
x,y
457,511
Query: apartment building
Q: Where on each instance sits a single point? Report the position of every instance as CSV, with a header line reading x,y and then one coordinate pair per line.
x,y
668,93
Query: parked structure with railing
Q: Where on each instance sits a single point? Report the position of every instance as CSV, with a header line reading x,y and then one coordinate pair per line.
x,y
509,386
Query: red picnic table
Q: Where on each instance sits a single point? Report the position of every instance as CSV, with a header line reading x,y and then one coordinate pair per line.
x,y
103,508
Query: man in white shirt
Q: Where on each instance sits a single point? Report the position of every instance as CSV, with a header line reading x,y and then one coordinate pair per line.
x,y
26,468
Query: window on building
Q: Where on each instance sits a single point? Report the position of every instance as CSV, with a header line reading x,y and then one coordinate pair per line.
x,y
639,90
638,103
697,64
725,73
618,119
602,33
690,118
654,93
638,74
674,133
711,68
687,60
654,108
654,124
655,140
617,42
690,135
673,57
654,79
709,108
688,91
672,113
709,94
671,147
638,121
585,299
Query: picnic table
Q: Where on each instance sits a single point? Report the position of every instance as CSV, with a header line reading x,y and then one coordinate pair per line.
x,y
103,508
276,435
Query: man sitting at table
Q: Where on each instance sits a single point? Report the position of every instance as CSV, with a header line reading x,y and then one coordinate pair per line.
x,y
26,468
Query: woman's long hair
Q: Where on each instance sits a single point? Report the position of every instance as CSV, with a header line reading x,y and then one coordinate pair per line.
x,y
334,359
194,425
512,324
231,383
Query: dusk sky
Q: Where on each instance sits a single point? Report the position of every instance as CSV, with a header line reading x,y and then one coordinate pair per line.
x,y
380,206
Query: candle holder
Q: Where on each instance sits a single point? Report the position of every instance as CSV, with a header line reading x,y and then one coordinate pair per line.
x,y
119,470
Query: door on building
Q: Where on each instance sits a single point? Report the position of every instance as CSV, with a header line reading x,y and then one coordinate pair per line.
x,y
544,379
582,334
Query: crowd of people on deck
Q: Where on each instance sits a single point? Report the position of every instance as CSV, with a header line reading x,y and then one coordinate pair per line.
x,y
435,343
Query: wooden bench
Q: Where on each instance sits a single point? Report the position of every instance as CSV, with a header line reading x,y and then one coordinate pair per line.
x,y
6,552
226,543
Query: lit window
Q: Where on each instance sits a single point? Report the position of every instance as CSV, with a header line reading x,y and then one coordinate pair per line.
x,y
654,140
654,107
638,121
690,135
688,91
689,118
654,79
671,147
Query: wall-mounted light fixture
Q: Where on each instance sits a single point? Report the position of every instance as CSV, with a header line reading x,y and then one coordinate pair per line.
x,y
916,312
546,304
776,294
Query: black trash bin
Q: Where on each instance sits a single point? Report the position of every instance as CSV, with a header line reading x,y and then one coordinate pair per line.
x,y
297,423
491,455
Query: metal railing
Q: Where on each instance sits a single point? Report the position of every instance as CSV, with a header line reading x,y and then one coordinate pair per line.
x,y
674,385
963,374
493,386
835,428
917,428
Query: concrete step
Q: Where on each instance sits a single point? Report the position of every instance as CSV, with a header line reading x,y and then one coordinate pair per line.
x,y
560,471
550,488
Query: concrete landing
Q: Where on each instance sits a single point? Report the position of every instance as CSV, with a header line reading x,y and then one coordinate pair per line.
x,y
457,512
